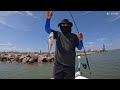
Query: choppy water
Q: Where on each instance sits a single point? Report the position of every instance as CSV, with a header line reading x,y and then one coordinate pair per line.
x,y
25,71
104,65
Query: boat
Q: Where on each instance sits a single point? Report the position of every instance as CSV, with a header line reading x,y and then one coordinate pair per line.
x,y
78,74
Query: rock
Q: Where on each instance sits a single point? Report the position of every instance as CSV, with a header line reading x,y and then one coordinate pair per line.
x,y
20,60
34,58
8,61
11,59
51,59
21,57
0,59
25,60
40,58
45,60
4,57
14,61
8,57
31,60
16,57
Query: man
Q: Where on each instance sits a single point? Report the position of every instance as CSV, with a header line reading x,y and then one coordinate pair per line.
x,y
66,42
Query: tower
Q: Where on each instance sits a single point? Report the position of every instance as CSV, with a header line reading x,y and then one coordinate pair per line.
x,y
103,48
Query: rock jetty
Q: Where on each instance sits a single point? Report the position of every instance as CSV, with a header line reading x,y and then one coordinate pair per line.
x,y
26,58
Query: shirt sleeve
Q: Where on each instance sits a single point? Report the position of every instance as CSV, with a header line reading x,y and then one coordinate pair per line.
x,y
47,26
56,34
79,44
49,30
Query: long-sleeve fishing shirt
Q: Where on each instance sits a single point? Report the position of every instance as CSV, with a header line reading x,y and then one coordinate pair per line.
x,y
65,46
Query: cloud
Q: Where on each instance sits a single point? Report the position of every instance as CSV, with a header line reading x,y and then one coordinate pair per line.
x,y
116,43
116,18
12,47
98,43
12,27
85,13
7,47
101,40
6,44
6,24
90,43
30,14
110,44
7,13
28,49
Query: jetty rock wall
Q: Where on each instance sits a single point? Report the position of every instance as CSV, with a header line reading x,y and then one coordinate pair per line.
x,y
26,58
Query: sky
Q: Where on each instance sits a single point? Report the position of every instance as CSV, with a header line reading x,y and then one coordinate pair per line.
x,y
25,30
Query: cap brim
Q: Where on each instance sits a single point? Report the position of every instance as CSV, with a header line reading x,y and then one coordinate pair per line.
x,y
65,23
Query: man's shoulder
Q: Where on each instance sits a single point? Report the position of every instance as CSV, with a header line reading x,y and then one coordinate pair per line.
x,y
73,34
55,31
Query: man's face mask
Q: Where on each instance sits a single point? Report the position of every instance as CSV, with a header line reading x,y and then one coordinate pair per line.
x,y
65,29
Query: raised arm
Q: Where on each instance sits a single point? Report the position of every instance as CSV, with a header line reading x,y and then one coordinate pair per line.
x,y
47,24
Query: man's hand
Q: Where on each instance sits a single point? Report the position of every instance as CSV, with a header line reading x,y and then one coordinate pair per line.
x,y
80,36
49,14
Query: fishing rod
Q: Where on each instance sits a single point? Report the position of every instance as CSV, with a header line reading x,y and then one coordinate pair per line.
x,y
74,21
82,42
86,57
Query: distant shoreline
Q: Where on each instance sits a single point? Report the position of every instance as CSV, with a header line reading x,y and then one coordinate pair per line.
x,y
81,53
17,52
39,57
53,53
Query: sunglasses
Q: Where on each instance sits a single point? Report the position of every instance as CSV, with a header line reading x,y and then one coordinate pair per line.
x,y
65,25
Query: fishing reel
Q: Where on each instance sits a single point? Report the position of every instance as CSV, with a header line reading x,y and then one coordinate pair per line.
x,y
84,65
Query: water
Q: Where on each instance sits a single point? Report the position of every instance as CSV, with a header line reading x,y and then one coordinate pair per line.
x,y
25,71
105,65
